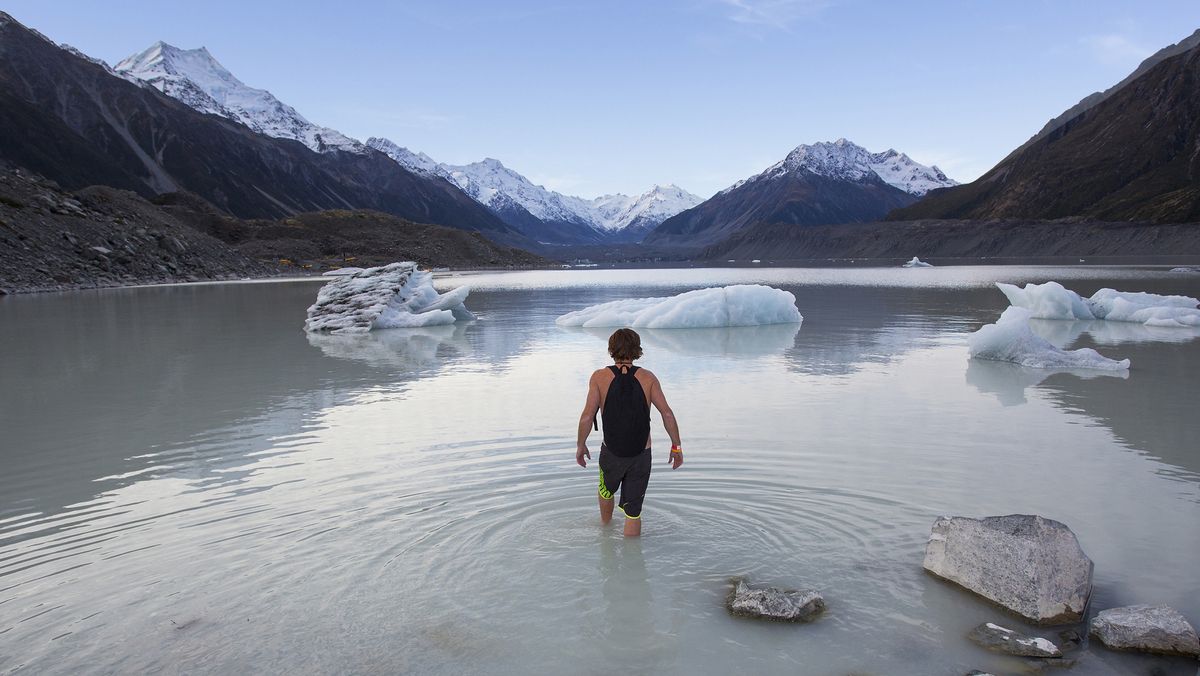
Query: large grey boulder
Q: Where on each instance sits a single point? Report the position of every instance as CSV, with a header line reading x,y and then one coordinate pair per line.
x,y
1002,640
1028,564
1146,628
775,604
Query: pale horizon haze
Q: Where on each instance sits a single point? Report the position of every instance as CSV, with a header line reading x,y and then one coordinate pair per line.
x,y
595,98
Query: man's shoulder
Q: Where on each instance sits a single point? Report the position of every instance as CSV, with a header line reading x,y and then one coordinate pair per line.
x,y
647,374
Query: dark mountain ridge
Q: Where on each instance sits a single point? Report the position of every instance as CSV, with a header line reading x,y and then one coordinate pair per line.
x,y
801,198
1135,156
823,183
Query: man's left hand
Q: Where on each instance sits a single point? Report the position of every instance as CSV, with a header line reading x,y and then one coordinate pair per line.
x,y
675,460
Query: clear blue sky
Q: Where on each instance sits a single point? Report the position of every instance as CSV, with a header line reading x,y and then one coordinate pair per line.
x,y
592,97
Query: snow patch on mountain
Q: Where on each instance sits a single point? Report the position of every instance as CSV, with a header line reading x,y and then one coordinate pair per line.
x,y
491,183
842,159
418,162
195,78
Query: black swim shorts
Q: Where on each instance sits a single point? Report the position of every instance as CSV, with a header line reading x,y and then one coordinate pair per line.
x,y
629,475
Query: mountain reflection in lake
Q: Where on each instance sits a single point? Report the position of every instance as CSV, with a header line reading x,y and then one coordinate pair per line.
x,y
192,483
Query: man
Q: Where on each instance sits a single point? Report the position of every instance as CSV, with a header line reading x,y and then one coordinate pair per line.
x,y
624,393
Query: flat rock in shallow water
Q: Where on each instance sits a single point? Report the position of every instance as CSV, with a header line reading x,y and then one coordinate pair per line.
x,y
1028,564
1146,628
998,639
775,604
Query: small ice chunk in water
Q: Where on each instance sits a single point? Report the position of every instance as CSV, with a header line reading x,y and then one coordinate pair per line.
x,y
1010,339
1047,301
388,297
1052,301
917,263
739,305
1150,309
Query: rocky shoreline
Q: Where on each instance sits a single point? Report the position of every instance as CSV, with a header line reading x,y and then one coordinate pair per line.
x,y
52,239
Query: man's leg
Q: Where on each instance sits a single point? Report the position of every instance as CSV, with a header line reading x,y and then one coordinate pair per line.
x,y
633,527
606,498
606,508
633,491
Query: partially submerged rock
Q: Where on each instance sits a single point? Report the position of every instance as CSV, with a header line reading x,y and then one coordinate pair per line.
x,y
391,296
1028,564
1002,640
1146,628
1069,640
775,604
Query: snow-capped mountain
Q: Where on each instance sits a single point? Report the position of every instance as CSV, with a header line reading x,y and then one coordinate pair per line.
x,y
194,77
848,161
516,197
646,211
819,184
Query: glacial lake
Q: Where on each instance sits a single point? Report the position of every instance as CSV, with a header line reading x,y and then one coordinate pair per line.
x,y
190,483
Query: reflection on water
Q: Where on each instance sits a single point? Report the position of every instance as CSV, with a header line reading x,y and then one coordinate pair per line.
x,y
734,342
192,483
412,348
1009,381
1063,333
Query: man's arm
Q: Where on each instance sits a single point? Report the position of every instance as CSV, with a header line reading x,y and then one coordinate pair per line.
x,y
586,420
668,416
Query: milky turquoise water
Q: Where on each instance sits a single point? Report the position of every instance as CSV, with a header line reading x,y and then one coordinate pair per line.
x,y
190,483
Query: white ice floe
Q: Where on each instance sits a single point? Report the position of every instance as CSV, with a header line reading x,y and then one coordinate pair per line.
x,y
388,297
1052,301
1185,270
917,263
740,305
1010,339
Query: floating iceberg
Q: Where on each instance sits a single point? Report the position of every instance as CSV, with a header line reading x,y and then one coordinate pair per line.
x,y
387,297
917,263
1052,301
740,305
1185,270
1010,339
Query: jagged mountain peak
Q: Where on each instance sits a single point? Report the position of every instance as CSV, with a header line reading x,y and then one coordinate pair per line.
x,y
845,160
195,77
500,187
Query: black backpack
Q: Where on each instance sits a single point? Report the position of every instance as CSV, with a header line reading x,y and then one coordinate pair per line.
x,y
626,415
